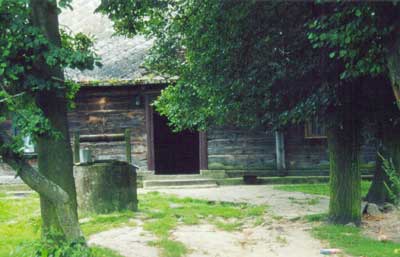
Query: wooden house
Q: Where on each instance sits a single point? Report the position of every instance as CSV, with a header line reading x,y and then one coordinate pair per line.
x,y
119,96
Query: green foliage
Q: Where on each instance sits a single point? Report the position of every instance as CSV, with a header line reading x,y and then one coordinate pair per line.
x,y
53,248
23,50
357,34
236,62
393,185
353,242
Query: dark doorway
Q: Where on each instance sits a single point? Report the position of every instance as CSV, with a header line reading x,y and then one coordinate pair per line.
x,y
174,153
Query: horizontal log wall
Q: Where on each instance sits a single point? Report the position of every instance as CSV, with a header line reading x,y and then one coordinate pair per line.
x,y
110,111
303,153
312,153
232,148
241,149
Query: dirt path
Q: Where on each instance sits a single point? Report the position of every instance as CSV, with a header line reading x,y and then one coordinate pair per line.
x,y
283,204
278,236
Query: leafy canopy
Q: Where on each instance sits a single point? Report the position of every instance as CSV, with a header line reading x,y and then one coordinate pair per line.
x,y
22,47
254,63
237,61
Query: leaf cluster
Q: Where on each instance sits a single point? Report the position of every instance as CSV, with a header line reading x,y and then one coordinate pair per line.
x,y
23,50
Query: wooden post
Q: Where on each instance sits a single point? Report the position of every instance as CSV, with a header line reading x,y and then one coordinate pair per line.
x,y
203,151
76,147
280,151
128,146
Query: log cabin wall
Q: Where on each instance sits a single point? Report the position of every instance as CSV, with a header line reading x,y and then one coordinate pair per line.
x,y
236,149
240,149
312,153
111,110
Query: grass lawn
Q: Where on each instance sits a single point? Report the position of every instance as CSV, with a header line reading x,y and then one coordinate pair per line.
x,y
318,189
20,225
351,240
20,221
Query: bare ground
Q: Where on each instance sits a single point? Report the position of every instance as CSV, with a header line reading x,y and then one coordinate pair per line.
x,y
278,236
385,227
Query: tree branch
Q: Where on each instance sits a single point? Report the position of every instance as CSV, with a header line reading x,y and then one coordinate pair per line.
x,y
45,187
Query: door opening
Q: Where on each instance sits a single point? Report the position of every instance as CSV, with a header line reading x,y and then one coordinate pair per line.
x,y
174,153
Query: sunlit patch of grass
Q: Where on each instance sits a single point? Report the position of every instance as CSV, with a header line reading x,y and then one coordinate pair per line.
x,y
170,248
316,217
98,223
318,189
19,223
103,252
228,226
351,240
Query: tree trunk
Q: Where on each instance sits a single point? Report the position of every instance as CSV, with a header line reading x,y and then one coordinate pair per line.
x,y
390,150
393,65
378,193
54,153
45,188
344,151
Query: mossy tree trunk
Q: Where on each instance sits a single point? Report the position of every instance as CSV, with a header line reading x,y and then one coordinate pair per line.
x,y
54,153
344,139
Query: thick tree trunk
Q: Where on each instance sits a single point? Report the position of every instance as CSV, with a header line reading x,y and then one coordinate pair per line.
x,y
45,188
344,151
54,153
393,65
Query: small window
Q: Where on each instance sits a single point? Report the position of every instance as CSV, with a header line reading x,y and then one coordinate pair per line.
x,y
29,146
314,129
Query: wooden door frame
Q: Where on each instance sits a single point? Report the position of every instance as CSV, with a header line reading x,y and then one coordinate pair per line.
x,y
149,111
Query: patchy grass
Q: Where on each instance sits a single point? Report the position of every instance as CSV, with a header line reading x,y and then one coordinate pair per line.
x,y
318,189
351,240
170,248
316,217
228,226
163,213
20,220
20,225
98,223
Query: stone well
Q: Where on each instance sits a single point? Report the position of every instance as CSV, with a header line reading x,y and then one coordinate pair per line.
x,y
105,186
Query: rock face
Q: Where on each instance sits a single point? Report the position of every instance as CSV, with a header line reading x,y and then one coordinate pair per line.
x,y
388,207
372,209
105,186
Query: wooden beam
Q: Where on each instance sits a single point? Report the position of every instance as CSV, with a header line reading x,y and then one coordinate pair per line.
x,y
76,147
128,146
102,138
149,132
280,151
203,151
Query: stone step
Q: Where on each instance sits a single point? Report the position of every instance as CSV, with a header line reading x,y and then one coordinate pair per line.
x,y
181,187
170,183
172,177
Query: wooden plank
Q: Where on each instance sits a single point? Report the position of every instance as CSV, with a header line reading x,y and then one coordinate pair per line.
x,y
102,138
149,132
203,151
280,151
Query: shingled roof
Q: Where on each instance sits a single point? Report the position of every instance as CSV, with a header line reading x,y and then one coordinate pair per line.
x,y
122,57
